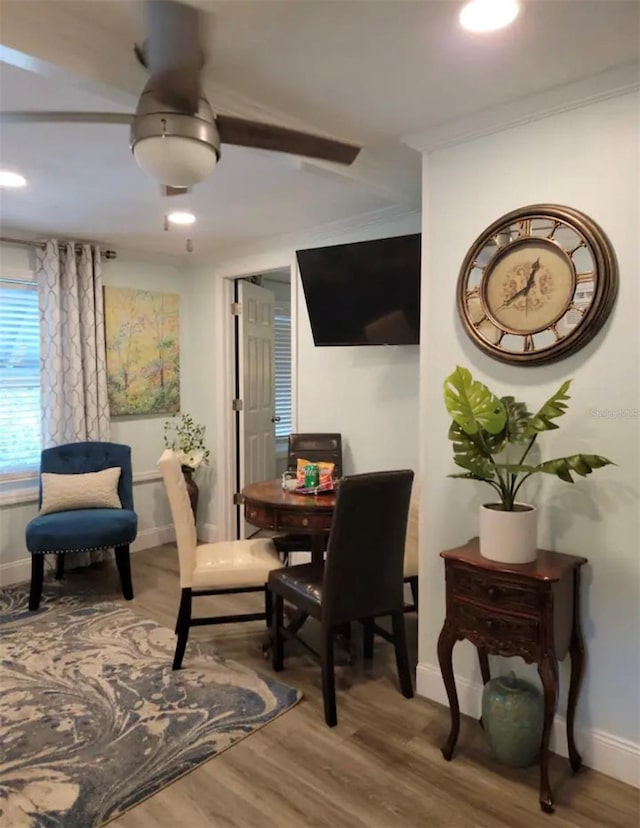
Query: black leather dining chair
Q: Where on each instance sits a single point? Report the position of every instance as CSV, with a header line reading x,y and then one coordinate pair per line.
x,y
361,579
325,447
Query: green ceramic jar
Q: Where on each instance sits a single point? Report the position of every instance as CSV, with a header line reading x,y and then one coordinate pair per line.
x,y
512,718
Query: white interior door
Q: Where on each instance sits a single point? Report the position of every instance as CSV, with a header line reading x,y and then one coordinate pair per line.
x,y
257,385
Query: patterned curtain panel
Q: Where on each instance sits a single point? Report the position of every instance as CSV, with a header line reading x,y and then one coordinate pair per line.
x,y
73,374
75,405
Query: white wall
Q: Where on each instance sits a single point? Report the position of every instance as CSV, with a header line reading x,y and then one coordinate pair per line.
x,y
369,394
16,258
586,158
143,434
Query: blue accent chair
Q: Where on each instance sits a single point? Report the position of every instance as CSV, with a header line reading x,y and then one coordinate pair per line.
x,y
83,530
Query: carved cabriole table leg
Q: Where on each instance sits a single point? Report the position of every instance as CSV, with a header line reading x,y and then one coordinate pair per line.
x,y
446,643
548,671
576,651
483,658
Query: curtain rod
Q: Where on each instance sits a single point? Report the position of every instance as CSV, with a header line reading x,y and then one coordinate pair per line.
x,y
108,254
23,242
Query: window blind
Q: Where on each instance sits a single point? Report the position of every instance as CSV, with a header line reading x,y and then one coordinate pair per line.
x,y
19,377
282,347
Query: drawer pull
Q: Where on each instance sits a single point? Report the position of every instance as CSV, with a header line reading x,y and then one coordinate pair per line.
x,y
305,521
491,624
252,513
493,593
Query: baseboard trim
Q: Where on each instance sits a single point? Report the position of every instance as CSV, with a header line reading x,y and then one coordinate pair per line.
x,y
19,572
15,572
601,751
156,536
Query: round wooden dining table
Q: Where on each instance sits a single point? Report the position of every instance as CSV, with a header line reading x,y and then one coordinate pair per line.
x,y
268,506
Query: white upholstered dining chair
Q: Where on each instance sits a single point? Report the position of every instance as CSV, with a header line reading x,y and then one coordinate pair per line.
x,y
222,568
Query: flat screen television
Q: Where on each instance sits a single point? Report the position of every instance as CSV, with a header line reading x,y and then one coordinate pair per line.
x,y
364,293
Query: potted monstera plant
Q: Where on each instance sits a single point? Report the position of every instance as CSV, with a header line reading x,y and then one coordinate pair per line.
x,y
492,438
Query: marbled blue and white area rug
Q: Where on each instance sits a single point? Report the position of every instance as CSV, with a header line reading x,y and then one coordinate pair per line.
x,y
92,718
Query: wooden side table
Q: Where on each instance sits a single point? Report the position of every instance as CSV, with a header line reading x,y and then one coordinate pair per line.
x,y
528,610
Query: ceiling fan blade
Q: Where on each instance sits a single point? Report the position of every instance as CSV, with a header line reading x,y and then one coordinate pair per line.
x,y
280,139
174,53
168,190
66,117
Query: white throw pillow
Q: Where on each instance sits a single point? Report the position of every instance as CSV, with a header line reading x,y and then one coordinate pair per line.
x,y
93,490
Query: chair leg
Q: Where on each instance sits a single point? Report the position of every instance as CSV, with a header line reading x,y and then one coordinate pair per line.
x,y
328,678
367,637
59,566
402,654
124,568
268,606
413,582
182,628
37,575
277,648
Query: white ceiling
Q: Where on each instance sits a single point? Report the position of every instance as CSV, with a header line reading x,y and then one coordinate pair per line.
x,y
372,71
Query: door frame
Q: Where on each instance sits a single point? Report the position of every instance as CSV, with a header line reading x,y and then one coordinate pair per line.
x,y
224,377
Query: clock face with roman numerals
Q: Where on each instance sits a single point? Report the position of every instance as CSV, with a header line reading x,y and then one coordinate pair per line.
x,y
537,284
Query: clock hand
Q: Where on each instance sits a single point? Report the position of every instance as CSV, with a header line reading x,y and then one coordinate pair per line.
x,y
530,281
515,296
525,290
534,268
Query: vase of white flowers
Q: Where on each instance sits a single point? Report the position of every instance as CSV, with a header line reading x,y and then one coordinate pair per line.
x,y
186,439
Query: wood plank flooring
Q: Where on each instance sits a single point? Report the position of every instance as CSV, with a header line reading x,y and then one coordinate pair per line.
x,y
381,767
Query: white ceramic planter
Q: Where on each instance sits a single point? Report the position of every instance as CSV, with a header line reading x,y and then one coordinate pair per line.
x,y
509,537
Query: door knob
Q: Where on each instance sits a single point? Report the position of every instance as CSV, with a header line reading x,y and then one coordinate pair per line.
x,y
276,419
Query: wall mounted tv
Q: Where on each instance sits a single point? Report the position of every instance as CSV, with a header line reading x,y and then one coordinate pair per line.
x,y
364,293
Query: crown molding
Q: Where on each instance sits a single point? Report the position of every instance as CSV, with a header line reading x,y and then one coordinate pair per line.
x,y
329,232
619,80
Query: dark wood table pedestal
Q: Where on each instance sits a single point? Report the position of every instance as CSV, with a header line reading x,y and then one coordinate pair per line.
x,y
528,610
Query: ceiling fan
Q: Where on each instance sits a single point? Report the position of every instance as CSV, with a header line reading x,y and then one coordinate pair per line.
x,y
174,134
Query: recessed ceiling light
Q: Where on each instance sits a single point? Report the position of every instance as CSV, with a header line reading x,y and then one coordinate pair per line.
x,y
11,179
488,15
181,217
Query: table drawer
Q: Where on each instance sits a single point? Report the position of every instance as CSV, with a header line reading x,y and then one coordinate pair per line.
x,y
304,522
493,591
264,518
501,633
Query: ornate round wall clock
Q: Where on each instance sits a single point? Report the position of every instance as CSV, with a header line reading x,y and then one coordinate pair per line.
x,y
537,284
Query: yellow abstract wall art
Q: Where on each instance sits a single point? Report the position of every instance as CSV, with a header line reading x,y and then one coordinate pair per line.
x,y
142,331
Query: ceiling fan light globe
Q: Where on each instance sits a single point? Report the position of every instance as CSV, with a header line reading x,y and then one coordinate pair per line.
x,y
176,161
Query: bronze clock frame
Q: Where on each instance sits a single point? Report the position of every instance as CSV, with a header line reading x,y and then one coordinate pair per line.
x,y
605,270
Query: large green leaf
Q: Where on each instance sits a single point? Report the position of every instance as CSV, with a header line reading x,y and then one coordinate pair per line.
x,y
471,405
471,452
518,419
581,464
554,407
562,467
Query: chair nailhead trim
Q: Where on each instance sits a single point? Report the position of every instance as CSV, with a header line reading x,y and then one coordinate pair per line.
x,y
84,549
